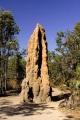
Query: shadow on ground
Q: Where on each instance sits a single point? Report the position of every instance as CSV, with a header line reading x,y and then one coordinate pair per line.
x,y
61,96
6,108
69,117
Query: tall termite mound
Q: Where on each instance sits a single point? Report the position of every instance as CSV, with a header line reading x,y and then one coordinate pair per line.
x,y
35,87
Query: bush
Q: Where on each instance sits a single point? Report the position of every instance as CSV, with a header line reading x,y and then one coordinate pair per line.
x,y
73,84
12,84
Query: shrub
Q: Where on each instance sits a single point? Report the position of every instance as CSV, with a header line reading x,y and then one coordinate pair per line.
x,y
73,84
12,84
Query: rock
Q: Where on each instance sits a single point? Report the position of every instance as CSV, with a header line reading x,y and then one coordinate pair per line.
x,y
36,85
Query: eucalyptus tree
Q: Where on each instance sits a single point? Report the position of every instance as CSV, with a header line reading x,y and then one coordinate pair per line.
x,y
8,42
68,46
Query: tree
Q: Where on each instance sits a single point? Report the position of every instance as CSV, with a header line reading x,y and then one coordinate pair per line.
x,y
16,71
8,42
51,55
68,46
20,65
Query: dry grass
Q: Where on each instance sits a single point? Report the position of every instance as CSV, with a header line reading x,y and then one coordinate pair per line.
x,y
71,113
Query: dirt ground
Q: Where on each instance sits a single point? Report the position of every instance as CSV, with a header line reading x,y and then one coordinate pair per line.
x,y
12,109
71,113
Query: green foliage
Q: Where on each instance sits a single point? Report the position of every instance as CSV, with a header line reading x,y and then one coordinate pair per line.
x,y
11,72
77,29
16,70
51,56
8,42
72,84
78,72
65,65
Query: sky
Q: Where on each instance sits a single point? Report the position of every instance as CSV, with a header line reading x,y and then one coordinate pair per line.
x,y
53,15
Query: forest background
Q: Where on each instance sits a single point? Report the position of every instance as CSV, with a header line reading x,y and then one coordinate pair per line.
x,y
63,63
